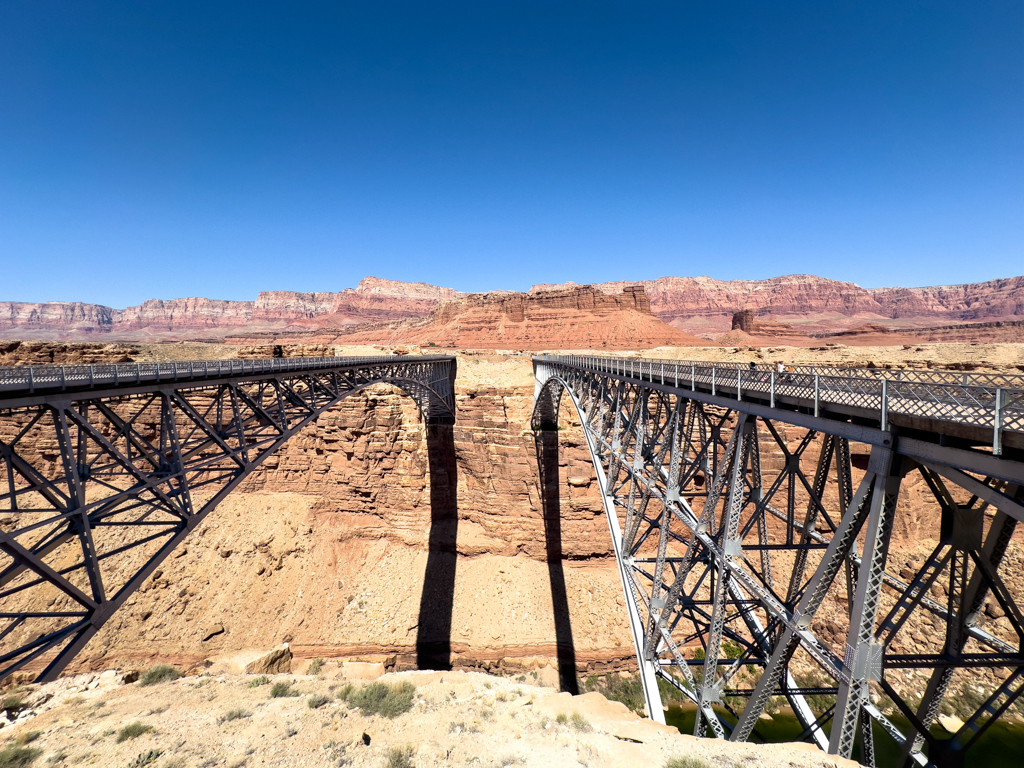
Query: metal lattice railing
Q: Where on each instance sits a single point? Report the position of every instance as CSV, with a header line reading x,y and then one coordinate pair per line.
x,y
991,401
31,378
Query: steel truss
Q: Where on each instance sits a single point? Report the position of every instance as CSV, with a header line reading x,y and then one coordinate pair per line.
x,y
104,470
752,536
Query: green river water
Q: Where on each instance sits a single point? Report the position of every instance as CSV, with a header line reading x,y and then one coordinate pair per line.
x,y
1002,745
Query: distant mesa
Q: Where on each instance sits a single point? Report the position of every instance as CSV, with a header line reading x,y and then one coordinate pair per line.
x,y
793,309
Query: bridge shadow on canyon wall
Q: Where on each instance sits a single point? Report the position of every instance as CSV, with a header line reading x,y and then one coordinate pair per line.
x,y
434,631
433,634
546,444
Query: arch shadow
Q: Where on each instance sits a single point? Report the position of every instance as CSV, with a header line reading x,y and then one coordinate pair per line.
x,y
546,446
434,628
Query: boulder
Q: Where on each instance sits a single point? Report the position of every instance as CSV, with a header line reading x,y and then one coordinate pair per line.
x,y
278,661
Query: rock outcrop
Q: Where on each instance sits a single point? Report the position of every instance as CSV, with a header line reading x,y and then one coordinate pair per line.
x,y
705,306
576,318
373,300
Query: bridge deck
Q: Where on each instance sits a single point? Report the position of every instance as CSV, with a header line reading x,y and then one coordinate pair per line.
x,y
19,385
984,408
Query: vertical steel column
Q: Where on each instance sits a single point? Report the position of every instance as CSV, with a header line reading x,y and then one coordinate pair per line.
x,y
862,661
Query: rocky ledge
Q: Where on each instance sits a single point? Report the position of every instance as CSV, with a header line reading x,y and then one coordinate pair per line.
x,y
416,719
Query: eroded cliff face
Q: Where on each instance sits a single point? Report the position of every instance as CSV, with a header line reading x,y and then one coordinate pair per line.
x,y
577,317
327,546
373,300
701,304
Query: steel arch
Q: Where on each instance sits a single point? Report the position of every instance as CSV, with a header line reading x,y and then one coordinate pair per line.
x,y
104,472
700,561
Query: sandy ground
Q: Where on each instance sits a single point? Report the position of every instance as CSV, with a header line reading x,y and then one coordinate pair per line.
x,y
457,718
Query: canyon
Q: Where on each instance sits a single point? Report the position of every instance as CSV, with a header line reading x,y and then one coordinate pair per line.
x,y
388,311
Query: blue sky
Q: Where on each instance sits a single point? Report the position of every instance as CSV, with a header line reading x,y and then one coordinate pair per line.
x,y
167,149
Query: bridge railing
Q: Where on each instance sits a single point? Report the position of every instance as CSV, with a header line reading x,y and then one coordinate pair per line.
x,y
48,377
989,401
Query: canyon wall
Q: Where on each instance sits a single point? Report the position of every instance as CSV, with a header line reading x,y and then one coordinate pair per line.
x,y
384,308
702,305
373,300
581,318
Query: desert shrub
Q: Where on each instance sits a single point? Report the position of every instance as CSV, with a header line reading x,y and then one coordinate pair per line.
x,y
282,689
315,666
399,757
686,761
161,673
133,731
27,738
15,756
146,758
346,691
256,682
580,723
317,700
383,699
562,719
234,714
13,703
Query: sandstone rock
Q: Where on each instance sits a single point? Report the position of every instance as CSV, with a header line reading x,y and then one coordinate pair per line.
x,y
951,723
130,676
361,670
212,631
278,661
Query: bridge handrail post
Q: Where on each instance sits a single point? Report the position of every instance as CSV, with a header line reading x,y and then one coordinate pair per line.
x,y
772,387
997,424
816,376
677,375
884,416
713,370
693,377
739,381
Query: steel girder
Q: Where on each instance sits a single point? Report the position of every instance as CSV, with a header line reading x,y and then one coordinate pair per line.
x,y
98,485
753,547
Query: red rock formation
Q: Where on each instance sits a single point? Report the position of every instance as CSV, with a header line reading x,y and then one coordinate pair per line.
x,y
704,305
374,300
580,318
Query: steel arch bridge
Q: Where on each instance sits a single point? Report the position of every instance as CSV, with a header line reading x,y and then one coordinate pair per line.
x,y
750,510
105,469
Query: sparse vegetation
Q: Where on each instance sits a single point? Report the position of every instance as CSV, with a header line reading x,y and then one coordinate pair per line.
x,y
686,761
383,699
317,700
580,723
133,731
146,758
161,673
13,703
562,719
282,689
346,691
399,757
315,666
234,714
15,756
256,682
27,738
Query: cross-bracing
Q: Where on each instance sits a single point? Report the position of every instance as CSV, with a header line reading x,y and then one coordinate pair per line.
x,y
105,469
751,510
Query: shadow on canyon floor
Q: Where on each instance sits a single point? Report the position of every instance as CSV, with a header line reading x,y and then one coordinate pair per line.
x,y
546,442
434,631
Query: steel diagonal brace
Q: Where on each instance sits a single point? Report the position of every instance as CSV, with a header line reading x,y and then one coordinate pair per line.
x,y
798,630
798,622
